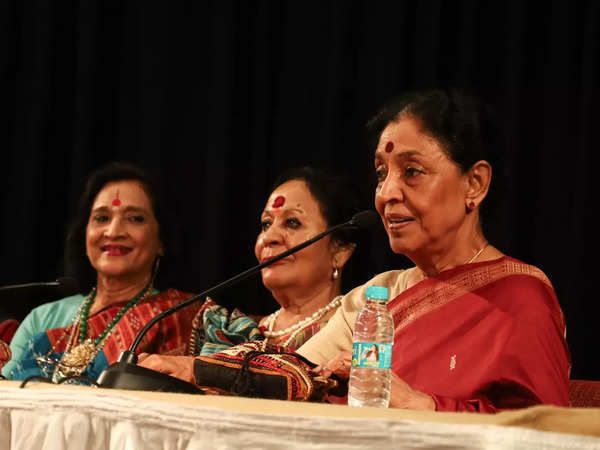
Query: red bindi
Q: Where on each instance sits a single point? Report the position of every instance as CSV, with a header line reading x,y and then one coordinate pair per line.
x,y
278,202
116,201
389,147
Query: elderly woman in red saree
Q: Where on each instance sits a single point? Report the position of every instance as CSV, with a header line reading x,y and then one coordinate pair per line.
x,y
475,330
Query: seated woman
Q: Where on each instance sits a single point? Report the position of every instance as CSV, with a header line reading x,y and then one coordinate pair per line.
x,y
114,247
306,284
475,330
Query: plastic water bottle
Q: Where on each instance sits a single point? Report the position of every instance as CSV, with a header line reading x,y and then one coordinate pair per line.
x,y
373,337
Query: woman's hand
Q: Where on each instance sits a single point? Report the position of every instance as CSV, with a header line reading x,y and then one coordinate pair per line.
x,y
403,396
181,367
340,366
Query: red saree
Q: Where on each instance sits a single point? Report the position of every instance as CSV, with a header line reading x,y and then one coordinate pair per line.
x,y
483,337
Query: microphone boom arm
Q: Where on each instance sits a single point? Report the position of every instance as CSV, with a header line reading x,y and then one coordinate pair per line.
x,y
129,356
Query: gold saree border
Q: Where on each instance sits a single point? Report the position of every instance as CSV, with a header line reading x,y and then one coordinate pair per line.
x,y
421,300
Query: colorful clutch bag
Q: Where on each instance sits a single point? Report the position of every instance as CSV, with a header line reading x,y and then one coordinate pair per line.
x,y
254,369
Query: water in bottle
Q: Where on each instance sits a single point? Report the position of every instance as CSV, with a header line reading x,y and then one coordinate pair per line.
x,y
370,375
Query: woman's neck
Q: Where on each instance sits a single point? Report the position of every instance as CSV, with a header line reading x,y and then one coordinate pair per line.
x,y
297,305
460,248
111,290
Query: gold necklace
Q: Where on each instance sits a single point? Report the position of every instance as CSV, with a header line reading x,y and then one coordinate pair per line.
x,y
424,276
76,358
478,253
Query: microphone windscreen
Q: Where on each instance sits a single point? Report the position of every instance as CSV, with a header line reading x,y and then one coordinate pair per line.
x,y
67,286
365,219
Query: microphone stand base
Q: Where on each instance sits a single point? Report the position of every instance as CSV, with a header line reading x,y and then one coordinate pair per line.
x,y
123,375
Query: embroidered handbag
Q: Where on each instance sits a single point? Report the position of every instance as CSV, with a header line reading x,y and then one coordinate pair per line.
x,y
254,369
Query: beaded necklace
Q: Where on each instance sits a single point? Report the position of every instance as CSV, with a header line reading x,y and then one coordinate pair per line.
x,y
74,361
86,310
300,325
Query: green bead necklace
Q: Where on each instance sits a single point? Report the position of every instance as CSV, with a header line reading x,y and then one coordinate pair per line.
x,y
74,361
86,310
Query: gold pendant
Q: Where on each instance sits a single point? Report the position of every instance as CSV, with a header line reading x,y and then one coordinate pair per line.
x,y
75,362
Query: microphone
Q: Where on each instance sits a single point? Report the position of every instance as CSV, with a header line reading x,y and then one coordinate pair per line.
x,y
364,219
62,287
125,374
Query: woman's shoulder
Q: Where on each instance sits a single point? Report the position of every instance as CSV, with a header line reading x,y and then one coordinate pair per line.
x,y
394,280
169,298
171,294
524,289
63,305
520,273
54,314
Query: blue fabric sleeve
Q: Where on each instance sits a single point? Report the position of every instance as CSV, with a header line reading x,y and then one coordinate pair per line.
x,y
45,317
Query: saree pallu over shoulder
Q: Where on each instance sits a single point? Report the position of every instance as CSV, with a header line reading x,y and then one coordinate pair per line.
x,y
483,337
434,293
168,336
215,329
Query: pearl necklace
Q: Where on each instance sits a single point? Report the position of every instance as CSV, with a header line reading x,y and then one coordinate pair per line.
x,y
269,333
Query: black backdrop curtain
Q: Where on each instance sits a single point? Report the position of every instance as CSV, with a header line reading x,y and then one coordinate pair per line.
x,y
221,96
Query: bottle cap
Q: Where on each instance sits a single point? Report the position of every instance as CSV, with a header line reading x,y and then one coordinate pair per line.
x,y
377,292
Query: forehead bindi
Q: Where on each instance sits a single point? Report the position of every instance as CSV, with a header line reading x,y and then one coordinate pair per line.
x,y
275,203
278,202
296,197
116,201
405,139
125,193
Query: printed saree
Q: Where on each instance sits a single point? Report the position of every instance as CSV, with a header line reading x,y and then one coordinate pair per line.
x,y
215,330
169,336
483,337
233,358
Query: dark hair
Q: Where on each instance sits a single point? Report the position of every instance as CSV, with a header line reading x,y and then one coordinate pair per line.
x,y
463,124
332,192
338,202
76,262
458,120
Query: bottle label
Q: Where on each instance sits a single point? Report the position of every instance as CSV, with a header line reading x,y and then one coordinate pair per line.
x,y
372,354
